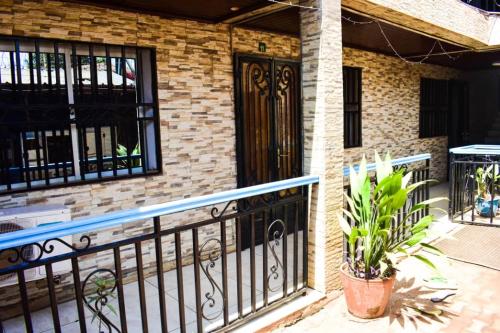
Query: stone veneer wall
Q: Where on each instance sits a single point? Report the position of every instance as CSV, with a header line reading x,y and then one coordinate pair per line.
x,y
390,108
197,127
451,20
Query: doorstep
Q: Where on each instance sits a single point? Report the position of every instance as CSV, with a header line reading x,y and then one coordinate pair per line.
x,y
288,313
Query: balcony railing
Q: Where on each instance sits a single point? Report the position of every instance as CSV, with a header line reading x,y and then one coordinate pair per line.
x,y
245,254
475,185
488,5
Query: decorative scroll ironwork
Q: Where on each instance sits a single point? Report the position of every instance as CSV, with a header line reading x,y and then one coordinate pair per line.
x,y
215,211
98,300
276,232
27,254
246,204
214,253
284,78
260,77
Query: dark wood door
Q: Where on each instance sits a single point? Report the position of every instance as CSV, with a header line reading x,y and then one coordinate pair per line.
x,y
269,125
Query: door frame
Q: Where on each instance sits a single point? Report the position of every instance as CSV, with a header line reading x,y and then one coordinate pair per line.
x,y
454,118
237,57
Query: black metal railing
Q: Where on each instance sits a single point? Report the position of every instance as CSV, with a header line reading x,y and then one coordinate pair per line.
x,y
419,166
474,187
218,284
488,5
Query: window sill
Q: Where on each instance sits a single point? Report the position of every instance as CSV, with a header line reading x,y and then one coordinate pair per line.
x,y
90,178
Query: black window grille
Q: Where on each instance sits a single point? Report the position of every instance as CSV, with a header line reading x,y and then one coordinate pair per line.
x,y
433,108
488,5
75,112
352,107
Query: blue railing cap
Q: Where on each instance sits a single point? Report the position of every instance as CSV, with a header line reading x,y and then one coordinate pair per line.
x,y
395,162
476,150
33,235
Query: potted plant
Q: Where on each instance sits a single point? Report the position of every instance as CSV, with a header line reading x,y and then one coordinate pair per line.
x,y
122,151
485,202
369,274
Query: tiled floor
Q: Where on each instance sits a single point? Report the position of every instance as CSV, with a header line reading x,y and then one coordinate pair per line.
x,y
42,320
474,308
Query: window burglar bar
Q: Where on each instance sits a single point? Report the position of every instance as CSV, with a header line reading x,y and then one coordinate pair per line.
x,y
73,112
488,5
219,284
352,106
433,108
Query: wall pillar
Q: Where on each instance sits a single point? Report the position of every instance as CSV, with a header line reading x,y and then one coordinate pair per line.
x,y
321,35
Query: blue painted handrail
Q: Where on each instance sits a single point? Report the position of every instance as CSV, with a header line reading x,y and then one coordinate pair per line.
x,y
38,234
395,162
476,150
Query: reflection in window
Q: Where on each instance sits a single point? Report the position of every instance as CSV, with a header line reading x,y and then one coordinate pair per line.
x,y
102,125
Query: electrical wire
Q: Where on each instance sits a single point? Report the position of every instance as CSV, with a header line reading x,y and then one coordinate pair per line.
x,y
290,3
395,51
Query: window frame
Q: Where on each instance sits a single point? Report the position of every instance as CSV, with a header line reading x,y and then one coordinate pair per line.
x,y
106,175
433,112
357,138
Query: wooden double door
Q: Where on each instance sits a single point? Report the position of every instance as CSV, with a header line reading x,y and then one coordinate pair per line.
x,y
268,124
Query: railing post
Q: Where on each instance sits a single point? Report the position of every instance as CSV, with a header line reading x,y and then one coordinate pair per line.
x,y
451,187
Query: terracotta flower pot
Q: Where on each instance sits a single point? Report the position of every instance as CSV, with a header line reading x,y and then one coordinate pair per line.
x,y
366,298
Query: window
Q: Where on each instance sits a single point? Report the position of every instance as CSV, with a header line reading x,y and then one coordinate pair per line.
x,y
352,107
433,108
75,112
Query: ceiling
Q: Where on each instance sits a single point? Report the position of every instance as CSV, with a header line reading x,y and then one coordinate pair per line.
x,y
410,45
287,21
202,10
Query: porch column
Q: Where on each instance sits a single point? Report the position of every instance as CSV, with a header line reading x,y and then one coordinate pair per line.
x,y
323,137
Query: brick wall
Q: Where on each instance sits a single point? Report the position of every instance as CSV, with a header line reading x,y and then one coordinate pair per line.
x,y
390,108
197,126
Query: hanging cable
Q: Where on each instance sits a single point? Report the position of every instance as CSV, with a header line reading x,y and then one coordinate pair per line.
x,y
348,19
447,53
397,53
291,4
391,46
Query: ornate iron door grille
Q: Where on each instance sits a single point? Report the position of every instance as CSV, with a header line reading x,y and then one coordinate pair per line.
x,y
268,124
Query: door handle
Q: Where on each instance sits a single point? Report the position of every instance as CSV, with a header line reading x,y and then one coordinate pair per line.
x,y
279,156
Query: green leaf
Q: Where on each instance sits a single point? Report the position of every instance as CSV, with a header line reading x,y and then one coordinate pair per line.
x,y
344,225
383,267
355,185
422,224
433,249
424,260
416,238
402,250
406,179
353,237
433,200
353,207
399,199
379,166
112,308
363,232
